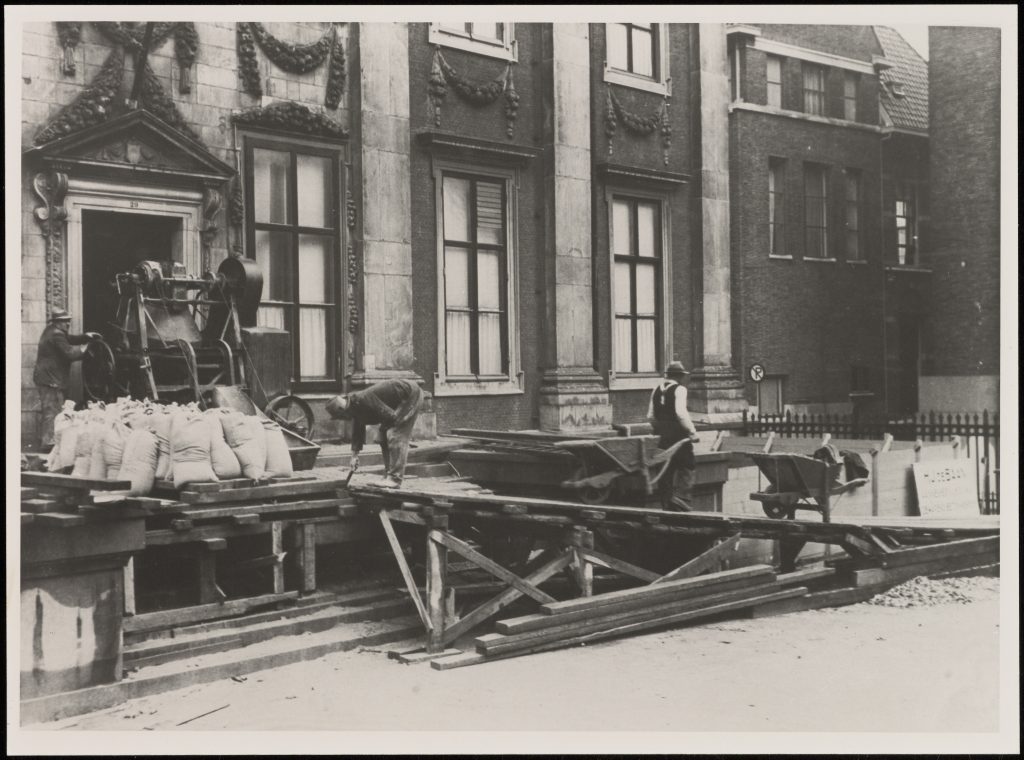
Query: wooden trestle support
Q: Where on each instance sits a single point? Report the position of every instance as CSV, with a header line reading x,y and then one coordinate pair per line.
x,y
571,548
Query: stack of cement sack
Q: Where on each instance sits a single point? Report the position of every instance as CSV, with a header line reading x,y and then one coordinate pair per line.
x,y
142,442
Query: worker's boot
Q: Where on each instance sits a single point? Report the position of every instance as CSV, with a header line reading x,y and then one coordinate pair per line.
x,y
389,481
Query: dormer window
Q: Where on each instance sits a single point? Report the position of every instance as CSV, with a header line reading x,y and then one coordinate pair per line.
x,y
896,88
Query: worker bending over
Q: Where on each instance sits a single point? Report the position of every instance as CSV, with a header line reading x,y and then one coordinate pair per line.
x,y
671,421
392,404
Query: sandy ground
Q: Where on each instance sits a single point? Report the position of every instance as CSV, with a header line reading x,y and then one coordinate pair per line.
x,y
853,669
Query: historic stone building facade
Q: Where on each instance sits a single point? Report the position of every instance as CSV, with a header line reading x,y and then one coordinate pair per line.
x,y
531,220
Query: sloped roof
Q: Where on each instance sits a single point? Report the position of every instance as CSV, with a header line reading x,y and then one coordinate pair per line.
x,y
910,75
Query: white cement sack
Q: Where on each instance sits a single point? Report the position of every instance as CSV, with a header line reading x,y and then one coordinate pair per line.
x,y
222,457
247,439
190,450
279,461
139,463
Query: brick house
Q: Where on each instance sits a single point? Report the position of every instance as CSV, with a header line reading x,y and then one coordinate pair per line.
x,y
531,220
962,369
828,138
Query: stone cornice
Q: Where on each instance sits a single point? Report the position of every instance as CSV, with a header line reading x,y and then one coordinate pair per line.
x,y
455,145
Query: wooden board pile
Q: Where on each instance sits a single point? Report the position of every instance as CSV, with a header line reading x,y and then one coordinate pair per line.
x,y
659,604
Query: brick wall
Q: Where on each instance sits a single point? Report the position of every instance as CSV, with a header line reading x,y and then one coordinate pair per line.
x,y
964,81
807,320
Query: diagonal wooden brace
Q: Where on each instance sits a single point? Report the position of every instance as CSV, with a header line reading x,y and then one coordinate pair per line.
x,y
403,566
465,551
701,562
556,562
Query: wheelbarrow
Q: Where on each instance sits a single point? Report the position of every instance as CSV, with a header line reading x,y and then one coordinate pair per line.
x,y
799,482
605,462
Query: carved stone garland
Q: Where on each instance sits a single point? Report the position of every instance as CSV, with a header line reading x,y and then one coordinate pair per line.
x,y
291,117
352,282
186,43
478,95
638,125
51,188
295,59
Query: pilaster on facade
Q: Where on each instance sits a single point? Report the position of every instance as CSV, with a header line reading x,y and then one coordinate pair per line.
x,y
573,395
716,391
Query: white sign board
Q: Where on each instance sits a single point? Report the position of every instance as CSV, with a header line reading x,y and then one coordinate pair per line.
x,y
946,488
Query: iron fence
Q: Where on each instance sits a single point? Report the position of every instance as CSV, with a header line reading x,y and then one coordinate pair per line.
x,y
978,433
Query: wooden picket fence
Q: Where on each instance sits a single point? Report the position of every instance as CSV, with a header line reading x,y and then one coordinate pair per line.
x,y
978,433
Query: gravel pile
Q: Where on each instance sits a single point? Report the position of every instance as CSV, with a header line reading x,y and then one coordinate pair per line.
x,y
928,592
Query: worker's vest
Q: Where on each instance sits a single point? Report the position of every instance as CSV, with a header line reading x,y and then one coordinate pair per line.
x,y
666,422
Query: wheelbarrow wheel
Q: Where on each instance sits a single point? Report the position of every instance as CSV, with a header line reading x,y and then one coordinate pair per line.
x,y
291,413
98,371
591,494
776,511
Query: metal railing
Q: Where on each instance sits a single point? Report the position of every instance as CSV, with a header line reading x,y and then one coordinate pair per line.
x,y
978,433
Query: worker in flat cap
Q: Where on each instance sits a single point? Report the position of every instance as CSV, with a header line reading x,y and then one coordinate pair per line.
x,y
671,421
58,350
394,405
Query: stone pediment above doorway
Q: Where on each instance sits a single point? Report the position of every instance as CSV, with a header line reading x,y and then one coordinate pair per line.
x,y
136,146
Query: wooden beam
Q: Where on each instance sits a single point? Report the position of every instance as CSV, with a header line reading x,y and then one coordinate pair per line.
x,y
693,586
307,557
129,586
437,571
55,480
275,490
659,621
403,566
701,562
465,551
621,566
555,564
156,621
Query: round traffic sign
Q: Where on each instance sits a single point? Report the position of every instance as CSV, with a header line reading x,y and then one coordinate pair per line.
x,y
756,372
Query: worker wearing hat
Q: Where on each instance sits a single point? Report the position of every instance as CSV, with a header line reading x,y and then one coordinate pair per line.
x,y
671,421
57,351
392,404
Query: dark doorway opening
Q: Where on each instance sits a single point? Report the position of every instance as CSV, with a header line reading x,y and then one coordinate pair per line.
x,y
114,242
909,362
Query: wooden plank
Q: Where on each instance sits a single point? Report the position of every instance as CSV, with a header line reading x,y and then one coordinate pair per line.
x,y
751,574
436,570
28,493
465,551
701,562
55,480
181,525
155,621
555,564
657,622
58,520
805,575
27,517
165,537
269,560
277,549
276,490
403,566
212,513
129,586
560,627
213,544
40,505
949,550
889,576
623,610
247,518
307,557
620,566
209,591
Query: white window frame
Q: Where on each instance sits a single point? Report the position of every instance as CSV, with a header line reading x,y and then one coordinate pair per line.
x,y
451,37
769,59
662,84
512,382
640,380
